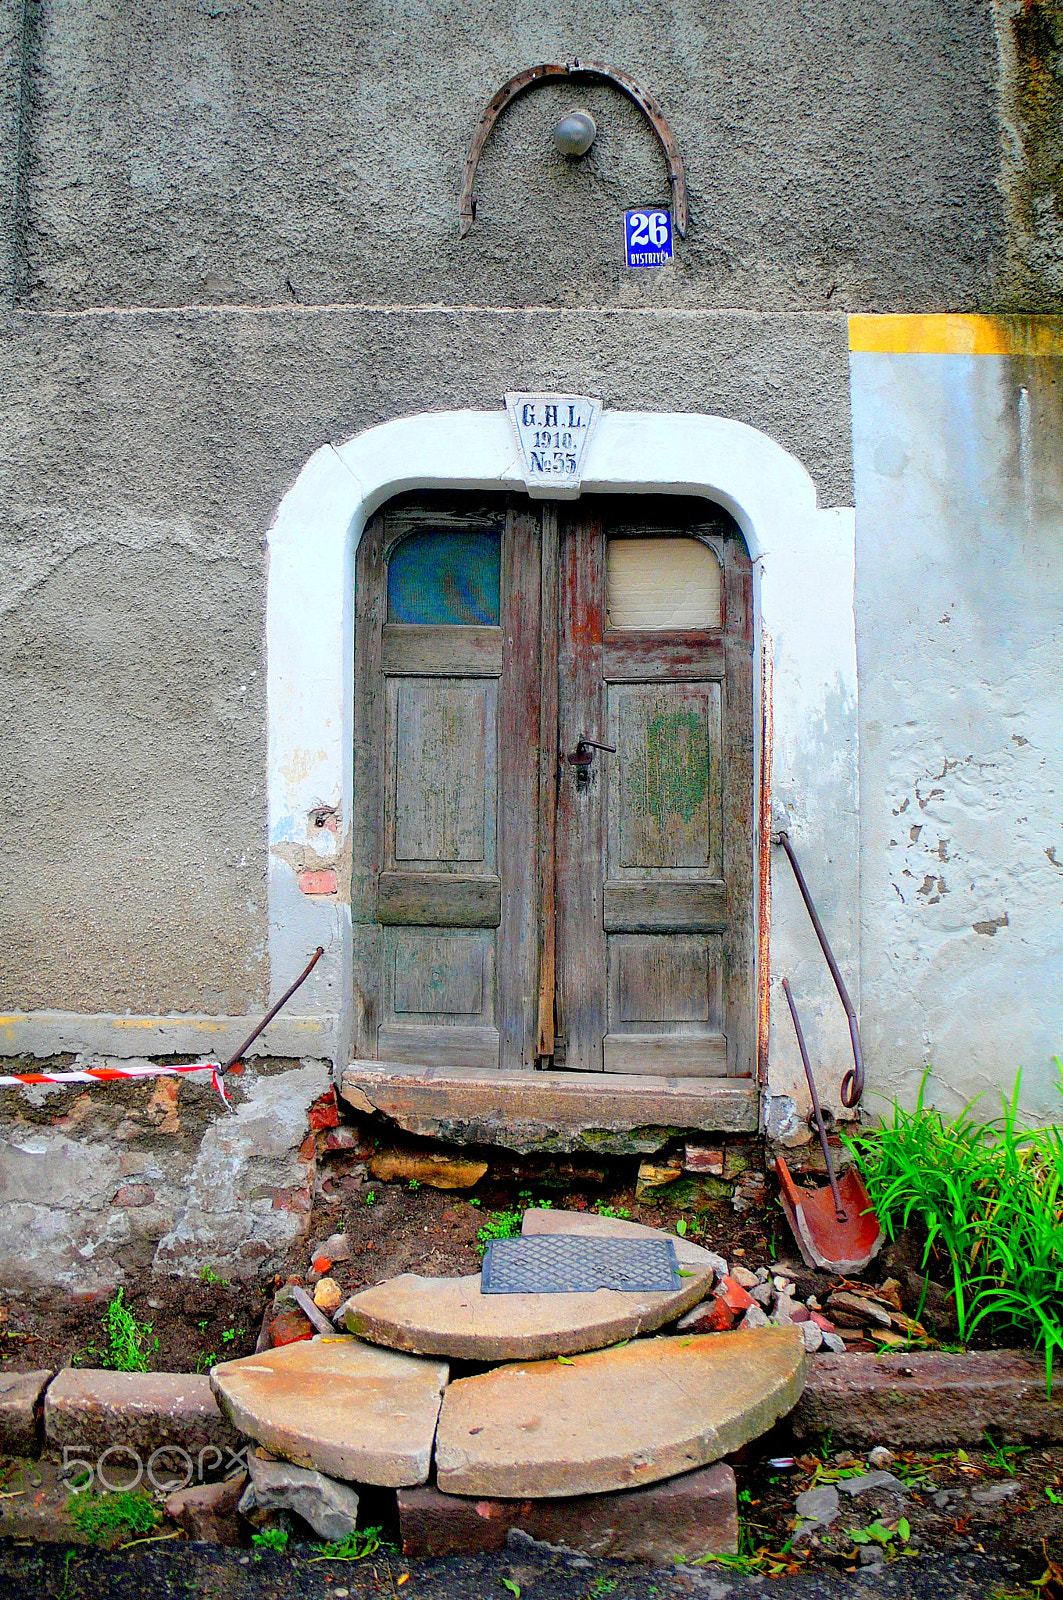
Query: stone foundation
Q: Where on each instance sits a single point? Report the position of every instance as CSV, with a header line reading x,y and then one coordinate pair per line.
x,y
100,1183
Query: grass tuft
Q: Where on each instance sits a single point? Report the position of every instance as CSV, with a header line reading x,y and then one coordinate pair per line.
x,y
130,1345
107,1513
989,1196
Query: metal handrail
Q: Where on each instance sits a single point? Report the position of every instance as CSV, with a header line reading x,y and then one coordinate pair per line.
x,y
852,1090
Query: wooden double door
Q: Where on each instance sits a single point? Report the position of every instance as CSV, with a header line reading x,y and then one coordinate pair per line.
x,y
553,786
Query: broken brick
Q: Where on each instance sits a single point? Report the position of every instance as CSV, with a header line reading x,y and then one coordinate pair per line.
x,y
711,1316
292,1200
289,1326
318,881
323,1112
134,1194
736,1298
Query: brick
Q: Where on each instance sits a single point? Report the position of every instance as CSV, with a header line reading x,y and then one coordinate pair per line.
x,y
207,1512
914,1400
292,1200
679,1520
134,1194
711,1316
20,1394
88,1406
320,880
700,1158
736,1298
324,1112
288,1327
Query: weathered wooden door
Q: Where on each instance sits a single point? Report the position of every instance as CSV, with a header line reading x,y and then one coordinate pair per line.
x,y
654,835
445,869
521,896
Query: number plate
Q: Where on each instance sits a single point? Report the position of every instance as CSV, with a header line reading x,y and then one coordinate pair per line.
x,y
648,238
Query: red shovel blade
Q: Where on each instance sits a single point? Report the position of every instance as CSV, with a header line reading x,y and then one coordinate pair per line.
x,y
823,1241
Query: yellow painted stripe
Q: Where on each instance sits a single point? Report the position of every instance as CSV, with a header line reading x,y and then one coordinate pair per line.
x,y
953,335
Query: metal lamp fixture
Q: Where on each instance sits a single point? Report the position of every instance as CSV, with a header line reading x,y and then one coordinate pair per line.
x,y
575,133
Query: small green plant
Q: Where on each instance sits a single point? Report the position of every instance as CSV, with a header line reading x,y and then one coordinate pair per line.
x,y
208,1275
94,1515
414,1185
270,1539
353,1547
228,1336
206,1360
878,1533
604,1585
1051,1495
989,1198
514,1588
129,1342
500,1225
370,1197
604,1210
1002,1456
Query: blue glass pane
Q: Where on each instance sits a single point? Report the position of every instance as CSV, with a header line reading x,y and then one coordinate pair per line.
x,y
445,578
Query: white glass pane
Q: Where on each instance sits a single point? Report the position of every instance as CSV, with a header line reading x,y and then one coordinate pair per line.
x,y
661,584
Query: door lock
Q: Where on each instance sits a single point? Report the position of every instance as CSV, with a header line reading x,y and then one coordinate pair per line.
x,y
582,757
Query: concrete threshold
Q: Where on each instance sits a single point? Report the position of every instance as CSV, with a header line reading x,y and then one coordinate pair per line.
x,y
551,1112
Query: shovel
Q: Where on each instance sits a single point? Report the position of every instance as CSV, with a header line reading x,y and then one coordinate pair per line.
x,y
836,1228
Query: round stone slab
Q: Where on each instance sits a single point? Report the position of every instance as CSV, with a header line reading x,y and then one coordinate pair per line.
x,y
615,1419
347,1409
450,1317
590,1225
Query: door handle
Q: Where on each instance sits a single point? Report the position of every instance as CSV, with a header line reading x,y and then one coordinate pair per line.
x,y
583,754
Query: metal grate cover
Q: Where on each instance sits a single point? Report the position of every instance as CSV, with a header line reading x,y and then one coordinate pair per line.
x,y
562,1263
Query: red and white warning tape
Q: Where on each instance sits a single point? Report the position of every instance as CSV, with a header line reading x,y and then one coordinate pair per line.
x,y
110,1074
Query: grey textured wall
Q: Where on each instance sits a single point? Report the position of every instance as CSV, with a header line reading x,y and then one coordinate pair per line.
x,y
840,155
142,456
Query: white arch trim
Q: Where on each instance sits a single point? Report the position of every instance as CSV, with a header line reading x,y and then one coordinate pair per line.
x,y
803,560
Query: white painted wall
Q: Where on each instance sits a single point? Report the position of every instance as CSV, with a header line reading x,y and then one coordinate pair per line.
x,y
959,473
803,561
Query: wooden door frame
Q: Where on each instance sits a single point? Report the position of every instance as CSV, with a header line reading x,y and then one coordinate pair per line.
x,y
803,559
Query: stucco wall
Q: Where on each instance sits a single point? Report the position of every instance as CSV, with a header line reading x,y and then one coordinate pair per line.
x,y
838,157
959,597
144,457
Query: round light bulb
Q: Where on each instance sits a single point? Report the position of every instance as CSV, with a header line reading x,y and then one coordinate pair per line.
x,y
575,133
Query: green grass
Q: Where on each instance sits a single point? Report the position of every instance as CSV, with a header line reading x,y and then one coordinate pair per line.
x,y
354,1547
129,1345
107,1513
989,1197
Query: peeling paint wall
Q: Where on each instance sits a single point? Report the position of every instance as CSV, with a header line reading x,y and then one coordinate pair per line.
x,y
959,596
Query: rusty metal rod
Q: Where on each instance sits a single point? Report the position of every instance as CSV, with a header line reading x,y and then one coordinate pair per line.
x,y
840,1211
272,1012
852,1090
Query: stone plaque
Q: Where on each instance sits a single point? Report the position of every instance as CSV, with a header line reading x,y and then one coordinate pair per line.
x,y
553,431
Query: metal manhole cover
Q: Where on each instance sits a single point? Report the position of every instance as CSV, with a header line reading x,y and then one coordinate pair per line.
x,y
562,1263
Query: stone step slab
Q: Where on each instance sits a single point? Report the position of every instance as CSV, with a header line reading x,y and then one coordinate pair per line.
x,y
450,1317
590,1225
347,1409
615,1419
679,1520
93,1407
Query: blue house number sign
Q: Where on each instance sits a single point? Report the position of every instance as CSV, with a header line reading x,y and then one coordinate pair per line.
x,y
648,238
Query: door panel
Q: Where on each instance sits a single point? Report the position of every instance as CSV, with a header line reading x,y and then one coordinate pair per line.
x,y
664,800
441,778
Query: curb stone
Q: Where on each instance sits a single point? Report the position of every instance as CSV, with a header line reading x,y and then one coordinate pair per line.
x,y
916,1399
